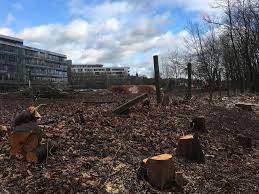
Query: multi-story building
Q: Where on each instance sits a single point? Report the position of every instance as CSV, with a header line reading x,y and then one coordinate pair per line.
x,y
96,75
99,71
20,64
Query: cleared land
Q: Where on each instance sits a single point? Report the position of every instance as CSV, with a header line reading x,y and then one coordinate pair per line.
x,y
103,154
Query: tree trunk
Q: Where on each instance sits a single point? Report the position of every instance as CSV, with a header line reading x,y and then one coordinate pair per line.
x,y
159,171
198,124
38,154
25,138
189,147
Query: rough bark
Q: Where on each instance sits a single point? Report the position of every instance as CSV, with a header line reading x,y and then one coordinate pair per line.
x,y
198,124
189,147
25,138
38,154
159,171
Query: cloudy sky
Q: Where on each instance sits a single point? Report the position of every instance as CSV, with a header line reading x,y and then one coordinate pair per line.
x,y
112,32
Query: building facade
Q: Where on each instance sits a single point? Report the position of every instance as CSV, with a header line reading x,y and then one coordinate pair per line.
x,y
97,76
99,71
20,64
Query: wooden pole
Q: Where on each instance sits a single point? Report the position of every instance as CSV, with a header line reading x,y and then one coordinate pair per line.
x,y
157,77
189,92
220,84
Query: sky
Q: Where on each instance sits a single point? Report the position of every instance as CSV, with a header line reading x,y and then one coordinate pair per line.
x,y
110,32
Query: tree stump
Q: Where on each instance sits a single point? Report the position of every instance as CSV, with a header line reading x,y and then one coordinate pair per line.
x,y
244,141
25,138
159,171
198,124
38,154
26,116
189,147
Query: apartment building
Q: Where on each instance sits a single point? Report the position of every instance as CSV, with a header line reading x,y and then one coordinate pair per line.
x,y
20,63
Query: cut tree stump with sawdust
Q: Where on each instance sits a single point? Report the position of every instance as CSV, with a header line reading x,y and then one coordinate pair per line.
x,y
25,138
189,147
159,171
198,124
244,106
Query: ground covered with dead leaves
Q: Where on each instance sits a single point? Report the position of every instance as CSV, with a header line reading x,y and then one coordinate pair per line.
x,y
102,155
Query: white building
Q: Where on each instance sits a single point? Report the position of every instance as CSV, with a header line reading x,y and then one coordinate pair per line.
x,y
98,70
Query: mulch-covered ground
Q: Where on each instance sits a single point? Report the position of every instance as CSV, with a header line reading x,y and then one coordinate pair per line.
x,y
103,154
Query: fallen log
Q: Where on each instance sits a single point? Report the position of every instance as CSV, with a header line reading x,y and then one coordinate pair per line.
x,y
99,102
244,106
24,138
159,171
189,147
124,107
198,124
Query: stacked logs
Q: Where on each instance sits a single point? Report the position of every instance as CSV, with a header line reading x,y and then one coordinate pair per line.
x,y
25,138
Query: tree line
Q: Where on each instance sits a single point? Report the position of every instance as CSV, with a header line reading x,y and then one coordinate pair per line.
x,y
224,49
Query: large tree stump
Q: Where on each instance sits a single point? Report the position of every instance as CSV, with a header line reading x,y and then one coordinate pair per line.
x,y
38,154
189,147
198,124
159,171
25,138
26,116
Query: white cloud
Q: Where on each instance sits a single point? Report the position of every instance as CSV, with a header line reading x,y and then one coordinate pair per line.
x,y
6,31
191,5
106,9
122,33
9,19
92,43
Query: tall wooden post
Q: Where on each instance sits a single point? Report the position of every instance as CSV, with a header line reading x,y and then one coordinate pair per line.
x,y
157,77
189,92
220,84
